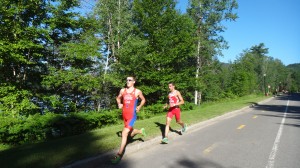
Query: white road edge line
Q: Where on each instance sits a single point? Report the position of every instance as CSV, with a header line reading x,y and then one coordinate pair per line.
x,y
277,140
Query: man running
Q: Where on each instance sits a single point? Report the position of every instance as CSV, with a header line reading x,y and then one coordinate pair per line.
x,y
175,100
127,101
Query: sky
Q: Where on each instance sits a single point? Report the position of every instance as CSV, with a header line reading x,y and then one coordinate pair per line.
x,y
276,23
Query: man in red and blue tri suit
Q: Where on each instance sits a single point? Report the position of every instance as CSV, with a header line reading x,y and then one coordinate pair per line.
x,y
128,101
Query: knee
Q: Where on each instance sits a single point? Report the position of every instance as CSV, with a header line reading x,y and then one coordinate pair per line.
x,y
125,133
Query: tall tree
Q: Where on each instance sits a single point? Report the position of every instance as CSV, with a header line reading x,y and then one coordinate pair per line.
x,y
114,19
243,78
295,75
208,16
21,38
167,55
31,32
261,60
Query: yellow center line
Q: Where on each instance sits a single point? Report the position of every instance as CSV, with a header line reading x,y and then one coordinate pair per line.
x,y
241,126
209,149
255,116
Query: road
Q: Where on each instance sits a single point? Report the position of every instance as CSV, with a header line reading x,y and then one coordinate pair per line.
x,y
264,136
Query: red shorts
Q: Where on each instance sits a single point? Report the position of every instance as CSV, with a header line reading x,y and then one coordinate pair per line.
x,y
129,120
174,111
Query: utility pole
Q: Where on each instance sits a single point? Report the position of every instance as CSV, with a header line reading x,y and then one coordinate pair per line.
x,y
265,90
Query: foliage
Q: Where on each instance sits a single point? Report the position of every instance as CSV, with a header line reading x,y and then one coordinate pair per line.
x,y
16,102
34,128
294,83
208,17
169,48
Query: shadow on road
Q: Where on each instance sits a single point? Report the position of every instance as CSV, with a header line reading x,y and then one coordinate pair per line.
x,y
292,112
183,163
162,129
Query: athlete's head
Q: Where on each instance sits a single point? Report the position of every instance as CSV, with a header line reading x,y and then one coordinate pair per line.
x,y
130,81
171,86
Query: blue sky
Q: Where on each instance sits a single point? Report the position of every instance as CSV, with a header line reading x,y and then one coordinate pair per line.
x,y
276,23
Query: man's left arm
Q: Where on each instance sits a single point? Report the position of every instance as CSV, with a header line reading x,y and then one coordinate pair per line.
x,y
181,101
143,101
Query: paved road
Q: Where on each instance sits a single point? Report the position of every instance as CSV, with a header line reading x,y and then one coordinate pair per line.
x,y
264,136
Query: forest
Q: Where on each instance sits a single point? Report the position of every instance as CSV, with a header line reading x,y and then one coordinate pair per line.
x,y
60,66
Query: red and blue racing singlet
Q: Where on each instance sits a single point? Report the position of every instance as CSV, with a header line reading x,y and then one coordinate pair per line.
x,y
129,108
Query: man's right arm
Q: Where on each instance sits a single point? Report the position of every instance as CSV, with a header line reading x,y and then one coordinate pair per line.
x,y
167,103
120,105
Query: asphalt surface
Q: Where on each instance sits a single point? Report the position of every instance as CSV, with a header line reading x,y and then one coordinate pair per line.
x,y
265,135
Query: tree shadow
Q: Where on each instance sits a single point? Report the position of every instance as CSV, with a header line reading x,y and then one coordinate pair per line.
x,y
188,163
183,163
70,148
292,111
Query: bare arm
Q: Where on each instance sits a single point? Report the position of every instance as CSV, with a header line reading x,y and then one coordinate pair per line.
x,y
119,97
143,101
181,101
166,105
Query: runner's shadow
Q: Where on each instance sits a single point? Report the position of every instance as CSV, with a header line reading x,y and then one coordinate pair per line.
x,y
129,138
162,129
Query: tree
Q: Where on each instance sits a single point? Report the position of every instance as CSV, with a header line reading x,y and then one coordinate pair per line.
x,y
208,16
260,53
21,38
31,33
167,55
114,20
295,77
115,25
76,85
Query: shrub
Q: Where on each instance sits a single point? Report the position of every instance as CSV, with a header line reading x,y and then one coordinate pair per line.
x,y
21,129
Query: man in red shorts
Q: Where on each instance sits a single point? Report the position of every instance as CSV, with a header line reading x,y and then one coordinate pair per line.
x,y
127,101
175,100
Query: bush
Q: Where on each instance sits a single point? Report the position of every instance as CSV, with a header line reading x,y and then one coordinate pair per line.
x,y
157,109
37,127
34,128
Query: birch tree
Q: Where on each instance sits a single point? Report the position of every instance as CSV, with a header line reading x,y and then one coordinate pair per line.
x,y
208,15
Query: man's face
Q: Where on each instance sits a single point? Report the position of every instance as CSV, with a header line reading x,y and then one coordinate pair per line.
x,y
130,81
171,87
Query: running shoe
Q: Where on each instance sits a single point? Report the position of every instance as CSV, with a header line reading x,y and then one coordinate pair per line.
x,y
116,159
165,141
143,132
184,128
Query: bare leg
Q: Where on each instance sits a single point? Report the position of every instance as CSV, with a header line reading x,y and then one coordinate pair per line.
x,y
167,128
134,132
124,140
180,123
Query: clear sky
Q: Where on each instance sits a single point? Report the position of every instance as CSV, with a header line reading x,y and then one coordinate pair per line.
x,y
276,23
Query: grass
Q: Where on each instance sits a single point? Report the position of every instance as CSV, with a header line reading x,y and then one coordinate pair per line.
x,y
56,153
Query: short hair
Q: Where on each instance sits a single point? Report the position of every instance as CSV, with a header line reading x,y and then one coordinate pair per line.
x,y
172,83
133,77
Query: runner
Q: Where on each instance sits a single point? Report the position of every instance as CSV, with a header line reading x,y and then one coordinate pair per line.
x,y
175,100
129,97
